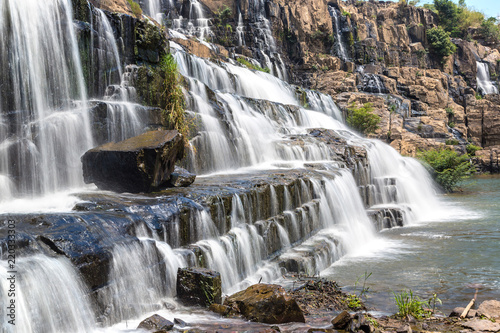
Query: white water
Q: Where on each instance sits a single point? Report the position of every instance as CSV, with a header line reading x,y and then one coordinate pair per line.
x,y
484,84
50,129
341,51
256,126
49,297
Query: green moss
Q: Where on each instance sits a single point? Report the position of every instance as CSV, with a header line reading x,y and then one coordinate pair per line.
x,y
248,64
136,8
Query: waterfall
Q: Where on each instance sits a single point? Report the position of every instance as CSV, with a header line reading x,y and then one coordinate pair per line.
x,y
196,24
49,297
154,10
484,83
44,122
240,29
339,44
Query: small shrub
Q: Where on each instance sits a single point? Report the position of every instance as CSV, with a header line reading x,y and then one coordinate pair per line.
x,y
440,43
347,14
451,124
410,305
450,112
479,96
136,8
471,149
362,119
449,168
451,142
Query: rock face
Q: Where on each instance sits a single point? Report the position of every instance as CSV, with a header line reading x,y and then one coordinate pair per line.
x,y
266,303
489,309
140,164
156,323
198,286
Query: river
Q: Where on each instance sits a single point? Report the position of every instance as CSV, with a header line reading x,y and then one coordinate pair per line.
x,y
444,256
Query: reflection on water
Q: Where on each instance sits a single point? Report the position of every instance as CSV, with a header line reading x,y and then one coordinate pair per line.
x,y
442,257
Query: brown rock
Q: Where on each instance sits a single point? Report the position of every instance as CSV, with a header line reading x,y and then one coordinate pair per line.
x,y
115,6
266,303
139,164
342,320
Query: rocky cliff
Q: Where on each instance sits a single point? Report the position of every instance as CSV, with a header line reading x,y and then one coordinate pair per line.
x,y
358,52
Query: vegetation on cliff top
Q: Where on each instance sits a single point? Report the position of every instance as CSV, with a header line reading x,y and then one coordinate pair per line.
x,y
136,8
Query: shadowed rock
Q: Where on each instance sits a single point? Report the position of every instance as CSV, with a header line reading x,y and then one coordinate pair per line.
x,y
156,323
140,164
198,286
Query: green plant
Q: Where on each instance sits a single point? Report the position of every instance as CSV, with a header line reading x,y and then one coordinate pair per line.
x,y
248,64
479,96
362,119
440,43
410,305
344,13
364,288
433,301
450,112
449,168
136,8
451,124
451,142
471,149
353,302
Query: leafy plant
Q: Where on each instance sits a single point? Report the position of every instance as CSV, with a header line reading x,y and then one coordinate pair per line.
x,y
450,112
353,302
479,96
362,119
471,149
440,43
347,14
410,305
449,168
433,301
451,124
451,142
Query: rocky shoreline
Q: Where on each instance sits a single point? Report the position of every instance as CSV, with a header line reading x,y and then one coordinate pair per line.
x,y
324,307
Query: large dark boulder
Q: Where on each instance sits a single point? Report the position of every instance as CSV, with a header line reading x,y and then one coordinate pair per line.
x,y
139,164
199,286
266,303
156,323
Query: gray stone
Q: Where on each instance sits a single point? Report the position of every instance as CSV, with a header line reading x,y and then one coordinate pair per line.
x,y
482,325
140,164
404,329
181,178
489,309
156,323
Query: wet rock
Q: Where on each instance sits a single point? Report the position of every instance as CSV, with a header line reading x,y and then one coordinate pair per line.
x,y
266,303
156,323
220,309
198,286
342,320
179,322
360,324
181,178
139,164
489,309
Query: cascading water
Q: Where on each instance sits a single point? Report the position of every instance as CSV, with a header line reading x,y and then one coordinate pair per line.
x,y
240,29
484,84
154,10
339,43
196,24
249,120
44,109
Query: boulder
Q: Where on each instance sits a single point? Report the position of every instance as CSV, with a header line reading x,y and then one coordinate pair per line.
x,y
266,303
482,325
342,320
199,286
181,178
490,309
140,164
156,323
